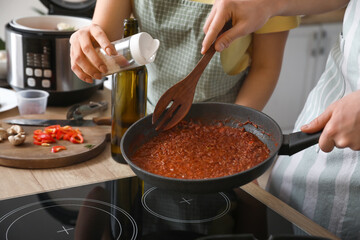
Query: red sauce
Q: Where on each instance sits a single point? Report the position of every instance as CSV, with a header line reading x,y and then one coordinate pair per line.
x,y
196,151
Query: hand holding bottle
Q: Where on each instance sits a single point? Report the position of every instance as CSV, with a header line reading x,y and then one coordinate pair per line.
x,y
85,61
94,56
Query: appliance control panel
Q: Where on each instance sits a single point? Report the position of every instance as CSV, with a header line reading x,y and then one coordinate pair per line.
x,y
39,63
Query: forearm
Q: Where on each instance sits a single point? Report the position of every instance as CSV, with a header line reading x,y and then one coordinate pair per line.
x,y
257,89
268,50
303,7
110,15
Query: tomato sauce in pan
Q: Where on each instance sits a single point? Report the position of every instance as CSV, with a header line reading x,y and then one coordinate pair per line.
x,y
197,151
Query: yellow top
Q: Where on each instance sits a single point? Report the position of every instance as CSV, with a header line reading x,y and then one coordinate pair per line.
x,y
236,58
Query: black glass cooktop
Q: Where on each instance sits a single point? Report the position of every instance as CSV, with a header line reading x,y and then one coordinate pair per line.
x,y
128,209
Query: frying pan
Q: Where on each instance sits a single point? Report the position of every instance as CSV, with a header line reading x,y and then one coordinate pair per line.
x,y
264,127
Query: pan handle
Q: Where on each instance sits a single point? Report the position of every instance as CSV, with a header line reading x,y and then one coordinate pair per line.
x,y
297,141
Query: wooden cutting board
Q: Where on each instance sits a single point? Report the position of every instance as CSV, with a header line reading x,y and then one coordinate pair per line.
x,y
29,155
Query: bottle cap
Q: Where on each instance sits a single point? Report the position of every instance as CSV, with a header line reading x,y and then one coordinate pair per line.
x,y
143,48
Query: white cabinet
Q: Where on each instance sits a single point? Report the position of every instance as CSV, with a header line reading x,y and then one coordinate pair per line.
x,y
304,60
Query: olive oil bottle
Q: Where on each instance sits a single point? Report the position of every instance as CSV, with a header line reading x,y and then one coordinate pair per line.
x,y
129,96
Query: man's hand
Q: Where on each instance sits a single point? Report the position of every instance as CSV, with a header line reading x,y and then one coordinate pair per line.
x,y
340,123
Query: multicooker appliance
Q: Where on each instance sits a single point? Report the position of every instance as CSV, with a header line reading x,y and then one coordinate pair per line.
x,y
38,52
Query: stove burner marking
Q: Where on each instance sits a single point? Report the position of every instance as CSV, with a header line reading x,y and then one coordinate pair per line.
x,y
227,208
133,223
186,201
66,230
56,205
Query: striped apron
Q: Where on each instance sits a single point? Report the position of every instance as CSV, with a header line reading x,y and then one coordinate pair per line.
x,y
326,186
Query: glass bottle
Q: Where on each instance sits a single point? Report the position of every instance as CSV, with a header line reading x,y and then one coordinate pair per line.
x,y
129,96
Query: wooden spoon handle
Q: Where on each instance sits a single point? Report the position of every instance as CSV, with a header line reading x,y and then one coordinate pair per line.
x,y
201,65
102,120
194,76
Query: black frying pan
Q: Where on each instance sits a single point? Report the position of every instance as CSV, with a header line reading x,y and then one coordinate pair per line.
x,y
267,131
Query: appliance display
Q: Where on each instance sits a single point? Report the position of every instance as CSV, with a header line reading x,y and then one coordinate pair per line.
x,y
38,60
128,209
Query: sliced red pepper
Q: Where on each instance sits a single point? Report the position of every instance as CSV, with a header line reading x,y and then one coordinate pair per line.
x,y
68,135
55,132
59,135
56,149
47,141
77,131
77,138
36,142
38,132
46,137
52,129
36,137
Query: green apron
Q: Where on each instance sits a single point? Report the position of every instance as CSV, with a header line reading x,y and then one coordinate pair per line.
x,y
178,25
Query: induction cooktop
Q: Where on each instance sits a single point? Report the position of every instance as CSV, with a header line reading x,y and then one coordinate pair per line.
x,y
129,209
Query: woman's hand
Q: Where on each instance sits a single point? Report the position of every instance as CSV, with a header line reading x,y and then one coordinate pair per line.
x,y
340,123
85,62
250,15
247,16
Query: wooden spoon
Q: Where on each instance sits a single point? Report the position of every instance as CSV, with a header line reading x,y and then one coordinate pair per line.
x,y
181,95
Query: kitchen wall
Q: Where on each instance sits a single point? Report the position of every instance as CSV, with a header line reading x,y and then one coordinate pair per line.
x,y
11,9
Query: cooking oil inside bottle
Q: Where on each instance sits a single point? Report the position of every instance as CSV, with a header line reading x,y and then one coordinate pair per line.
x,y
129,96
129,104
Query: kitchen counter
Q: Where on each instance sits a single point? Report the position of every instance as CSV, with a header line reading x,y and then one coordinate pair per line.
x,y
20,182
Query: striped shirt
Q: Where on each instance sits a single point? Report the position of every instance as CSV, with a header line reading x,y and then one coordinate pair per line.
x,y
326,186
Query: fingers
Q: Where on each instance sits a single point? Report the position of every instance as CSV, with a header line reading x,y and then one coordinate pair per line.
x,y
87,47
90,55
244,21
326,141
76,57
212,32
213,25
85,61
334,135
340,123
318,123
79,72
209,20
326,144
339,134
226,39
103,41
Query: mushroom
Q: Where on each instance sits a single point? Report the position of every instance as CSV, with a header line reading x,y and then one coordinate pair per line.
x,y
15,129
3,134
17,139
